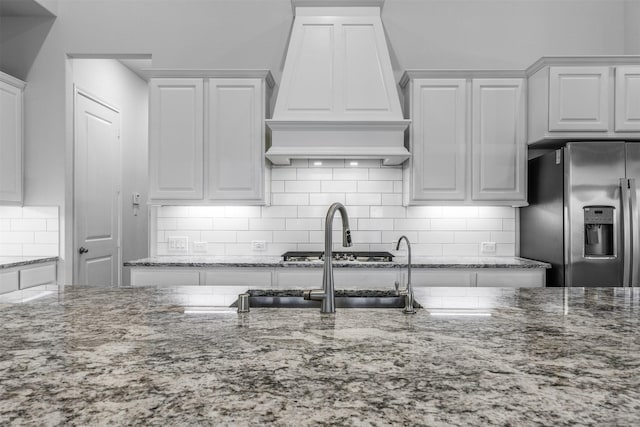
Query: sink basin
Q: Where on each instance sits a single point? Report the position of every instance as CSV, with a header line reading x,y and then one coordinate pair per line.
x,y
344,299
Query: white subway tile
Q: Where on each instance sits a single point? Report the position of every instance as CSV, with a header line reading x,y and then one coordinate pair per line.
x,y
290,199
313,211
426,249
215,249
326,199
10,212
206,211
508,224
505,249
192,235
221,236
392,199
240,249
266,224
297,236
248,236
448,224
387,211
412,224
338,186
459,211
16,237
46,237
302,186
496,212
397,187
28,225
386,174
503,236
10,249
424,212
242,211
173,211
283,173
5,224
277,186
160,237
471,236
162,248
40,212
375,224
307,224
375,187
53,225
393,236
314,174
167,223
484,224
279,211
358,211
231,224
436,237
462,249
194,224
359,236
318,236
40,250
309,247
351,174
364,199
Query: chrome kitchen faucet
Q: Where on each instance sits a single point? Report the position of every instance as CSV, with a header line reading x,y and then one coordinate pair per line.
x,y
408,291
327,294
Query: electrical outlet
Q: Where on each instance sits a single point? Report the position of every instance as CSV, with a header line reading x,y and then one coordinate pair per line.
x,y
488,247
178,244
199,247
259,245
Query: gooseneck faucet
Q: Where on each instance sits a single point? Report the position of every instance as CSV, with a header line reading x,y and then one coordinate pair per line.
x,y
408,292
327,294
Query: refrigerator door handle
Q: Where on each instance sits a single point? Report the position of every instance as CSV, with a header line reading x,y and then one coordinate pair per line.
x,y
625,234
634,237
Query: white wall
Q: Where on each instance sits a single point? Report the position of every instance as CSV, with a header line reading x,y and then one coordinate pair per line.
x,y
632,27
113,83
254,33
372,194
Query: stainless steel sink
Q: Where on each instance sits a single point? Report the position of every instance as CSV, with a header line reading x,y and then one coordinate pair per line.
x,y
344,299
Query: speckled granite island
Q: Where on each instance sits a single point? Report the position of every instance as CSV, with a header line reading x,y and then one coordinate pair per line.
x,y
551,356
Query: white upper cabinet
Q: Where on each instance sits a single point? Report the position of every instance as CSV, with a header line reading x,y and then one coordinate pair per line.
x,y
627,99
467,138
236,140
499,151
176,111
584,98
578,99
11,139
207,138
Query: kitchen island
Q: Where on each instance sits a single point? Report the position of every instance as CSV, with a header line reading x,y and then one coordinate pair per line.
x,y
544,356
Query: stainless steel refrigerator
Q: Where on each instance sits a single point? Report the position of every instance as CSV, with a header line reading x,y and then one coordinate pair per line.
x,y
583,214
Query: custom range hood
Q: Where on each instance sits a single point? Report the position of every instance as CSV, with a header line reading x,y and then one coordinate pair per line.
x,y
337,97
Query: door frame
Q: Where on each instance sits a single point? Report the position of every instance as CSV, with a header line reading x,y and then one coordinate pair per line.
x,y
72,230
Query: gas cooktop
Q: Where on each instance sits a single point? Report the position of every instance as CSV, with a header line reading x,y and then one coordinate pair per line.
x,y
364,256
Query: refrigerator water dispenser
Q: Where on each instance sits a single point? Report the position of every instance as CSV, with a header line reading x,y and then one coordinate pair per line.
x,y
598,231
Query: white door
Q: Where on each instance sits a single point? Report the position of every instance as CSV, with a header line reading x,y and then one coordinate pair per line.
x,y
97,193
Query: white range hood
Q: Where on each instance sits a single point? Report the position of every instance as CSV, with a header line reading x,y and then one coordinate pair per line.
x,y
337,97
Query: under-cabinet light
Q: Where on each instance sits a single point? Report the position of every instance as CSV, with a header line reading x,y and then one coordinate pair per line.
x,y
317,163
353,163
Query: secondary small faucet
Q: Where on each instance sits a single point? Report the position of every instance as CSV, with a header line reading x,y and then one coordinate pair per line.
x,y
408,292
327,294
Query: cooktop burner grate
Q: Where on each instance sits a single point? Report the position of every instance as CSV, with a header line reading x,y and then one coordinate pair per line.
x,y
364,256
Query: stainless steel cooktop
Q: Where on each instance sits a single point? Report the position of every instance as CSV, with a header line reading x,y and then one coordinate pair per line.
x,y
364,256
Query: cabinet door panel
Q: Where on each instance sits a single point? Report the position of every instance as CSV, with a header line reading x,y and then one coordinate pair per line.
x,y
627,111
176,139
439,139
579,99
235,151
498,140
10,143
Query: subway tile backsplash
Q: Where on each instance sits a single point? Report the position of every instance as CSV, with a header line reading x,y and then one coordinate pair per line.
x,y
300,196
29,231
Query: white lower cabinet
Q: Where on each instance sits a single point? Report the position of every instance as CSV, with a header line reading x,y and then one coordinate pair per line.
x,y
344,278
27,276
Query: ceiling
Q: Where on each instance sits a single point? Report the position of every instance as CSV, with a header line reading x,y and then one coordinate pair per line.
x,y
23,8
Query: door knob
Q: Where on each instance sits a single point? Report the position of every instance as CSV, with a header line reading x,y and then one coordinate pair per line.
x,y
83,250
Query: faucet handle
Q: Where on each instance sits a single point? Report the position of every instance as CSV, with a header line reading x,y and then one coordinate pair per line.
x,y
397,285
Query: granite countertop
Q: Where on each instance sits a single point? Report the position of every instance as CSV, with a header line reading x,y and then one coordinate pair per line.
x,y
19,261
550,356
276,261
